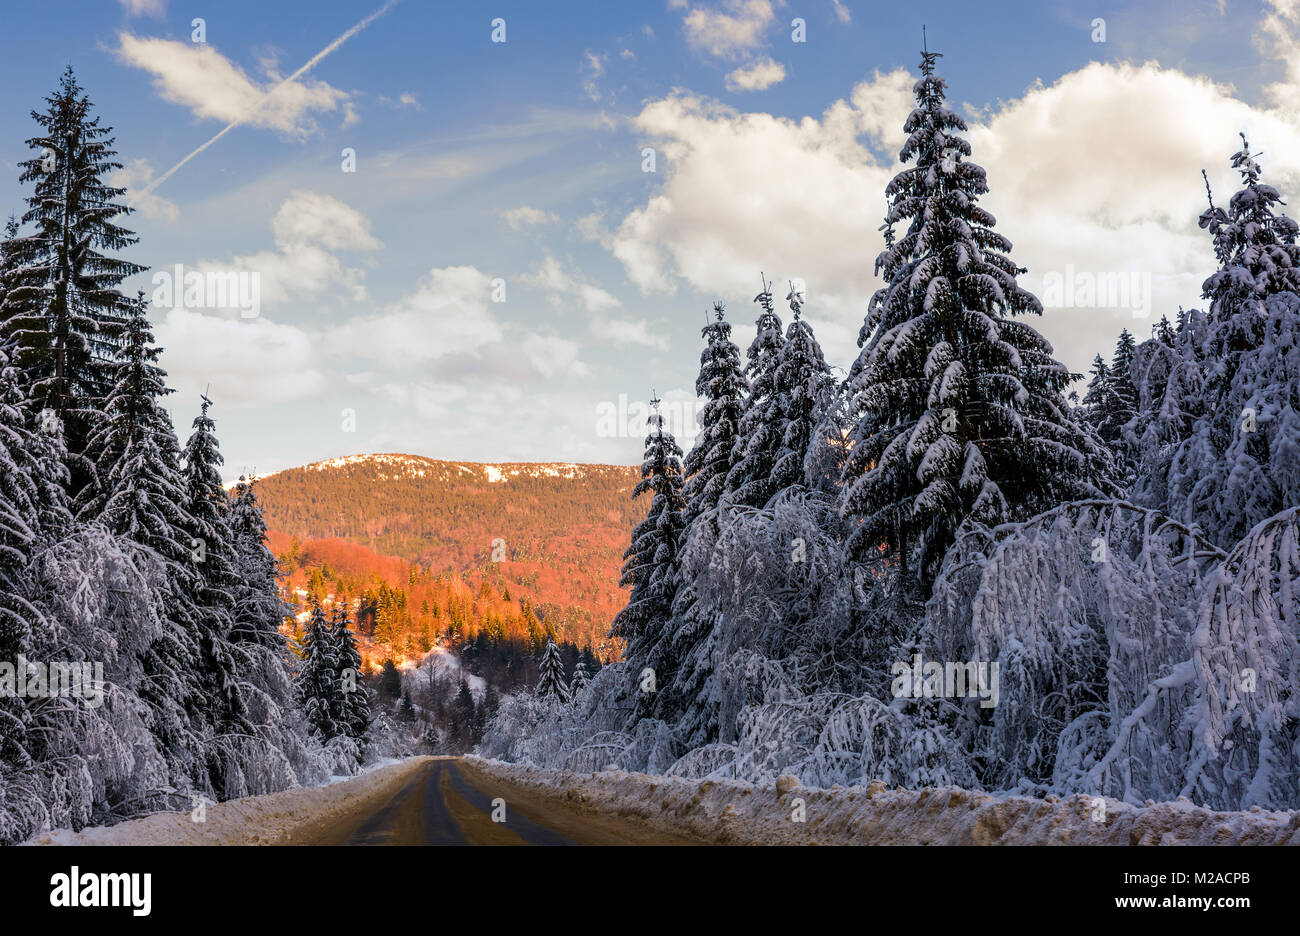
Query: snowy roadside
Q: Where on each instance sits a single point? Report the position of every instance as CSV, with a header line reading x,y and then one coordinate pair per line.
x,y
252,820
737,813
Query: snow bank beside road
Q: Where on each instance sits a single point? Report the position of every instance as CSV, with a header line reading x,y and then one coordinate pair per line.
x,y
252,820
737,813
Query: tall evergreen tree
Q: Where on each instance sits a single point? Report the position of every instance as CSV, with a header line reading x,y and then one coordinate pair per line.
x,y
32,511
650,560
550,682
1232,458
681,667
758,442
227,668
804,390
138,492
258,608
350,702
68,316
961,406
317,681
723,386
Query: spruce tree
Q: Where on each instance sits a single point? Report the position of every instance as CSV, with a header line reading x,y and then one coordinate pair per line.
x,y
758,442
804,389
137,492
550,683
350,702
68,320
649,562
258,608
679,659
32,512
723,386
213,576
1233,459
317,676
961,407
580,681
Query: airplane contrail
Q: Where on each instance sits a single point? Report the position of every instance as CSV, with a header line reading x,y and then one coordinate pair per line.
x,y
311,63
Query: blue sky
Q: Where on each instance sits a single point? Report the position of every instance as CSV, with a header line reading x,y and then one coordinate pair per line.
x,y
521,162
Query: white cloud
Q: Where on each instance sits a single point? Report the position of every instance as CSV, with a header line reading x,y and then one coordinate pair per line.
x,y
308,228
729,30
563,287
842,12
622,332
144,7
526,216
760,75
135,176
593,66
248,362
449,313
1100,171
197,76
407,99
553,356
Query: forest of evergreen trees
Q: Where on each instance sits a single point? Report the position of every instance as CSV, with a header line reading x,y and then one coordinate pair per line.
x,y
120,551
1119,577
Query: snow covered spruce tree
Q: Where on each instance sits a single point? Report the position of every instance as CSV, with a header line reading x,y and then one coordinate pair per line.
x,y
258,608
351,700
758,441
550,682
33,512
683,661
1111,402
1231,403
650,560
317,676
581,680
256,748
69,313
804,391
212,573
961,407
137,491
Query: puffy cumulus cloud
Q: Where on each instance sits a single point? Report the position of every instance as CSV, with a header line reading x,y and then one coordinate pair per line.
x,y
729,30
746,193
135,177
1101,173
198,77
1097,173
252,363
308,217
308,229
525,216
760,75
563,287
448,313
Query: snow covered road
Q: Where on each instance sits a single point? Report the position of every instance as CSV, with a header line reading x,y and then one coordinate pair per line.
x,y
472,801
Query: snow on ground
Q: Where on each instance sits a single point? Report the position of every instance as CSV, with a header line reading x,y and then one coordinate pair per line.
x,y
252,820
737,813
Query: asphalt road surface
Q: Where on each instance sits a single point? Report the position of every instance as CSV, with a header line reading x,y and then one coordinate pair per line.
x,y
448,802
